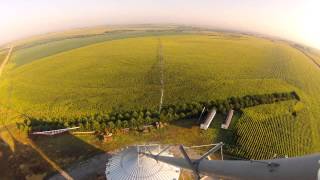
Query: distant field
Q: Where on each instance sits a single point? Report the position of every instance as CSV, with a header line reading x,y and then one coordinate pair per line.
x,y
87,75
91,31
109,76
85,79
40,49
217,67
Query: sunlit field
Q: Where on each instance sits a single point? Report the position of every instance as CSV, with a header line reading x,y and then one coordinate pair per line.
x,y
78,77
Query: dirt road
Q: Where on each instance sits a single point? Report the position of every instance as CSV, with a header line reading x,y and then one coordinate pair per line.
x,y
5,60
63,173
307,55
5,127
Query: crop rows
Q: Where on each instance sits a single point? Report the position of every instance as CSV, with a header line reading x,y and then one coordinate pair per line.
x,y
262,137
122,75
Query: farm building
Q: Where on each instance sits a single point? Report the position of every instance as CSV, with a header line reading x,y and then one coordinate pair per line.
x,y
228,120
208,119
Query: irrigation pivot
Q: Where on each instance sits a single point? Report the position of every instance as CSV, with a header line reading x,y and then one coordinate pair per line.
x,y
54,132
295,168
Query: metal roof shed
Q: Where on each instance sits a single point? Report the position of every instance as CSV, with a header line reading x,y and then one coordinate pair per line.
x,y
208,120
228,120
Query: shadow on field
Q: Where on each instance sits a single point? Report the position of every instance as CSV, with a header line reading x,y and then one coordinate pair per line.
x,y
185,123
67,151
19,160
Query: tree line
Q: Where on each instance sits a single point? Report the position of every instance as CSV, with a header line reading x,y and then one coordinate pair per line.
x,y
136,119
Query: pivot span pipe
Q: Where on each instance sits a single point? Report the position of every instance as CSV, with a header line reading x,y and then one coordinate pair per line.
x,y
306,167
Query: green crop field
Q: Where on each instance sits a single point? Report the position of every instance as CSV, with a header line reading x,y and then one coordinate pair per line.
x,y
39,49
98,74
3,54
265,130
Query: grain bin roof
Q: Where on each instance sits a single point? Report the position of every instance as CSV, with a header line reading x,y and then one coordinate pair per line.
x,y
129,164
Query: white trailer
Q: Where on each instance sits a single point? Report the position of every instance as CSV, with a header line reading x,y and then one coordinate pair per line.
x,y
208,120
228,120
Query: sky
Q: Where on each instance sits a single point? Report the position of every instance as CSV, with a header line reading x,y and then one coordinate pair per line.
x,y
297,20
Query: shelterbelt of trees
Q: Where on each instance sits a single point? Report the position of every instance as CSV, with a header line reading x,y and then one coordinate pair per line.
x,y
135,119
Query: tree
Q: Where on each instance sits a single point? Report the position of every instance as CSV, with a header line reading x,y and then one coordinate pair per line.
x,y
224,111
45,127
140,121
127,115
189,115
141,114
81,126
183,107
120,116
194,112
182,115
237,106
118,124
163,111
170,110
96,126
132,122
125,124
220,107
106,117
111,125
169,117
98,117
176,116
162,117
155,114
88,126
135,114
103,126
198,106
148,120
66,124
148,114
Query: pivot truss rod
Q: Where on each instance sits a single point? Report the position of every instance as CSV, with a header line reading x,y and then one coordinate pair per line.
x,y
194,164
